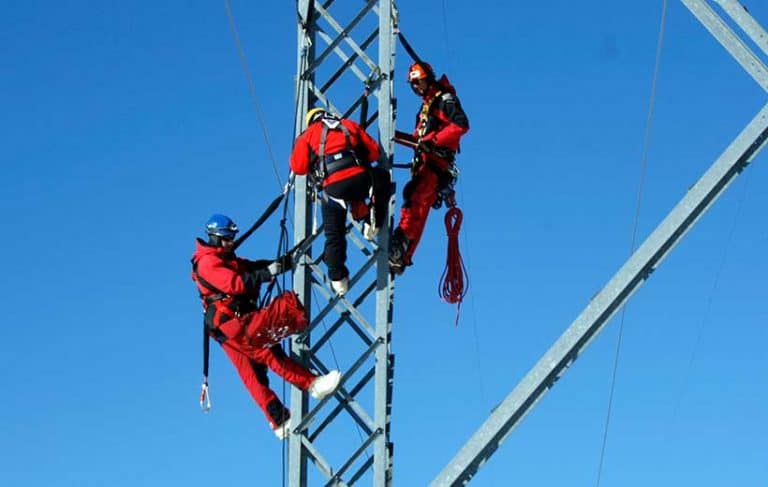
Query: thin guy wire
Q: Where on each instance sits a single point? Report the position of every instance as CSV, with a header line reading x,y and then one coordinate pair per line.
x,y
710,300
252,90
643,168
465,236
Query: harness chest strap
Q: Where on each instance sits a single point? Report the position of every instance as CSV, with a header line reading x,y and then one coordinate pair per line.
x,y
424,114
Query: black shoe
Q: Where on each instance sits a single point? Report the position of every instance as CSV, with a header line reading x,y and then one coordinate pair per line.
x,y
396,268
397,252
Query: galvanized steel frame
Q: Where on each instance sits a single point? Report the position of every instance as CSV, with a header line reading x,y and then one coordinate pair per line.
x,y
486,440
373,366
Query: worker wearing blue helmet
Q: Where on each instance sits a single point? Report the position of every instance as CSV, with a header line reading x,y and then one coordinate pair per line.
x,y
229,289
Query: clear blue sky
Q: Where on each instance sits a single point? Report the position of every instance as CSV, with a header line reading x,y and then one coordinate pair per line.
x,y
125,124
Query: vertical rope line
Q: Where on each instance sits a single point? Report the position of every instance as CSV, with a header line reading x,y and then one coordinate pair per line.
x,y
643,169
465,236
252,89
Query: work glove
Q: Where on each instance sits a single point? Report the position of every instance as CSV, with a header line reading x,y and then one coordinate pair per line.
x,y
282,264
427,146
275,268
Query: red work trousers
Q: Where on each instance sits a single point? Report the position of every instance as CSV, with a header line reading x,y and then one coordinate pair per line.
x,y
252,364
253,346
419,194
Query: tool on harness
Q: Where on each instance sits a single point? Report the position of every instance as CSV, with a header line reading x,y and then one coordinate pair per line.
x,y
428,147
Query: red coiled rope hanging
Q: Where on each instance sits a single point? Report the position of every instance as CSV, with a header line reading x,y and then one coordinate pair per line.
x,y
451,288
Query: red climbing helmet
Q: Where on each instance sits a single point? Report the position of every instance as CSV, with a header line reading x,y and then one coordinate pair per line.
x,y
419,71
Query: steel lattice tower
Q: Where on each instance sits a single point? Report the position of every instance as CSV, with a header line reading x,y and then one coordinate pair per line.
x,y
643,262
340,66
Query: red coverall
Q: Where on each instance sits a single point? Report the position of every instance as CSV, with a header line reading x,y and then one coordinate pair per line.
x,y
250,338
440,121
348,176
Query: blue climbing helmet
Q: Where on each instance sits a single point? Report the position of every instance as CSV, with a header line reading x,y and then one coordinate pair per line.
x,y
221,226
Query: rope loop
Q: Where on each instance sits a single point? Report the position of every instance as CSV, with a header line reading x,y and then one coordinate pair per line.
x,y
452,288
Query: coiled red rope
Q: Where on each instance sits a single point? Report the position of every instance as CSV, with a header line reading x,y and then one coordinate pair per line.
x,y
451,288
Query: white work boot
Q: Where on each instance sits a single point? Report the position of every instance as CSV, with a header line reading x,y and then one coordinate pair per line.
x,y
369,231
341,287
283,430
325,384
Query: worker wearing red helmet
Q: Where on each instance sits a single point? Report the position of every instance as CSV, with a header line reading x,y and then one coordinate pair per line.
x,y
229,288
440,124
338,153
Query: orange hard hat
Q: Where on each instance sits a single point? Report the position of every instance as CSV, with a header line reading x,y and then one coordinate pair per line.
x,y
419,71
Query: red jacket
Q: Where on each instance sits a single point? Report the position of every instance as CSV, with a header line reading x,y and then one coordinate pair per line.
x,y
441,119
226,281
307,147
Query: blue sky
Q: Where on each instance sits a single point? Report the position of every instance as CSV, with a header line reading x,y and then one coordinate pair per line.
x,y
126,124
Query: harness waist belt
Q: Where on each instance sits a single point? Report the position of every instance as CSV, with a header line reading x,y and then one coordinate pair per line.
x,y
341,160
215,297
443,153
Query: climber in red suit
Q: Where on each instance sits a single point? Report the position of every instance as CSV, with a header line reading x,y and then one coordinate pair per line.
x,y
337,154
440,124
229,287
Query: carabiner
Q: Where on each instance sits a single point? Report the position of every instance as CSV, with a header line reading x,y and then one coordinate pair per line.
x,y
205,398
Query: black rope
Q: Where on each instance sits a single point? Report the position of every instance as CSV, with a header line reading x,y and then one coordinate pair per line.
x,y
267,213
364,108
282,250
408,48
206,352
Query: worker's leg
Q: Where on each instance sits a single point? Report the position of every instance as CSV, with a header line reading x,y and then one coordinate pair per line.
x,y
382,190
275,358
254,377
335,221
334,227
419,195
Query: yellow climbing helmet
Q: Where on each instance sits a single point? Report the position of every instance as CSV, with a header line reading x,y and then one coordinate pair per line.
x,y
313,114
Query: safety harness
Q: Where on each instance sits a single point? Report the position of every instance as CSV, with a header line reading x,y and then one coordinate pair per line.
x,y
215,315
210,328
452,286
331,163
236,306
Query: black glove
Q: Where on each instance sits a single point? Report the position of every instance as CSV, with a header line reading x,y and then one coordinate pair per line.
x,y
257,265
286,262
427,146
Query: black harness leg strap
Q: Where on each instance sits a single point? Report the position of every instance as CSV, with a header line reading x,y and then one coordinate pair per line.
x,y
205,398
207,332
206,351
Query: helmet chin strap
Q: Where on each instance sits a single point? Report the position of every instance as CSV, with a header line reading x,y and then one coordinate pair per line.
x,y
214,240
